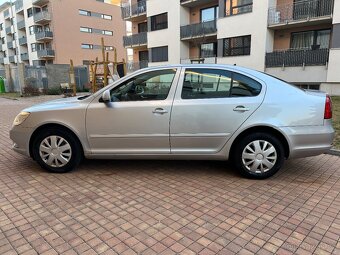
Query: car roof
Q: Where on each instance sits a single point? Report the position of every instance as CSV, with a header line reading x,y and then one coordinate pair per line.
x,y
253,72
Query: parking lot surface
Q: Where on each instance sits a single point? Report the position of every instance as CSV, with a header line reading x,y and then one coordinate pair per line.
x,y
164,207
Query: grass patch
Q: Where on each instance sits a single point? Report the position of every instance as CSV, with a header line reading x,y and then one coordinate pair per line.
x,y
336,121
12,95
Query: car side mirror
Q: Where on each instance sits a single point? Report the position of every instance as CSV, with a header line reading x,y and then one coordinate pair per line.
x,y
106,97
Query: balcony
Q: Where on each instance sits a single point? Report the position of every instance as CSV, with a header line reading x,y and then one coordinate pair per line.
x,y
193,3
134,66
292,57
313,12
2,61
10,45
135,40
11,59
200,60
44,36
1,47
22,41
134,12
21,25
203,29
45,53
19,5
9,30
24,56
42,17
40,2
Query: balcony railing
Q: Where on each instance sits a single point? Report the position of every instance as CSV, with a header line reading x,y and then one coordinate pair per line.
x,y
10,45
9,30
2,61
134,66
11,59
198,30
19,5
302,57
24,57
6,14
22,40
135,40
42,17
134,10
21,24
300,11
47,53
200,60
40,2
1,46
192,3
45,35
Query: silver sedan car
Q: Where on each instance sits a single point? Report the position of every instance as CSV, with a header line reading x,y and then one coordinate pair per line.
x,y
191,112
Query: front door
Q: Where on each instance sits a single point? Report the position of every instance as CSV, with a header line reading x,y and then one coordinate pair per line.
x,y
209,106
136,121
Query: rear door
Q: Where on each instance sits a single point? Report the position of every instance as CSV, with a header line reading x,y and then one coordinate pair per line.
x,y
209,106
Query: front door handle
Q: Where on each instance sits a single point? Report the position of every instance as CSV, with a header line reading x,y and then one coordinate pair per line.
x,y
241,108
159,111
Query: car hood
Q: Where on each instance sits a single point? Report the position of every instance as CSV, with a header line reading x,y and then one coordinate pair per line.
x,y
60,104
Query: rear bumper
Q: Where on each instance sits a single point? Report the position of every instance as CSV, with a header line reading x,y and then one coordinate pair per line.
x,y
309,141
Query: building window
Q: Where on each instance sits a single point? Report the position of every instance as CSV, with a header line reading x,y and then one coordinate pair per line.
x,y
234,7
237,46
108,17
317,39
142,27
159,22
31,30
209,14
84,13
34,47
1,26
87,46
86,29
107,32
208,50
29,12
159,54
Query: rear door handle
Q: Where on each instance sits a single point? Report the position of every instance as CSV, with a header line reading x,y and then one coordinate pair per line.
x,y
241,108
159,111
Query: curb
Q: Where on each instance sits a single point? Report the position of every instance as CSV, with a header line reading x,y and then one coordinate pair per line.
x,y
333,152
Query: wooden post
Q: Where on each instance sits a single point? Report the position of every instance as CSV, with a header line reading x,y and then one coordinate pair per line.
x,y
124,66
104,62
72,78
106,66
95,76
115,60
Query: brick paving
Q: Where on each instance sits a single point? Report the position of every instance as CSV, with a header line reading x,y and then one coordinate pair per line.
x,y
164,207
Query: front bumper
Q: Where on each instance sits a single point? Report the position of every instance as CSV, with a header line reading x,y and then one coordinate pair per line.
x,y
20,137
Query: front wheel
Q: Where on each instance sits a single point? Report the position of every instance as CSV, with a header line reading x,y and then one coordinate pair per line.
x,y
258,155
57,150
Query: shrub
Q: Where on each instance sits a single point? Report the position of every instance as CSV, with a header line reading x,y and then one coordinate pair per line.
x,y
53,91
31,91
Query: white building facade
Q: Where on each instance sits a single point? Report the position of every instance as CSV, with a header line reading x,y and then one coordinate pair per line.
x,y
295,40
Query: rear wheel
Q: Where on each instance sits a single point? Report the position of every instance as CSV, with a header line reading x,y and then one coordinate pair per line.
x,y
57,151
258,155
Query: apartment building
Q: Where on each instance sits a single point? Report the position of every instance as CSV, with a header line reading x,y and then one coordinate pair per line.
x,y
295,40
36,32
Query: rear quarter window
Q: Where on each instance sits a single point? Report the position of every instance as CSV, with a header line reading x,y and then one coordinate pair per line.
x,y
244,86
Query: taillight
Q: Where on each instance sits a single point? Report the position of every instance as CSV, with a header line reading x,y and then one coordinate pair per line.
x,y
328,108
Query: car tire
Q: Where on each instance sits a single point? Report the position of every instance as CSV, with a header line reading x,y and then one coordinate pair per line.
x,y
57,150
258,155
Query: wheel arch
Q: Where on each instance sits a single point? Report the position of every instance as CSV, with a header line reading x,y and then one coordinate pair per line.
x,y
52,125
264,129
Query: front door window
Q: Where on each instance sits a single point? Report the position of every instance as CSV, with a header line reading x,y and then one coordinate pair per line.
x,y
154,85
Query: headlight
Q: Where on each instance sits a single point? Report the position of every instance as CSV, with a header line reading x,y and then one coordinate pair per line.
x,y
20,118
